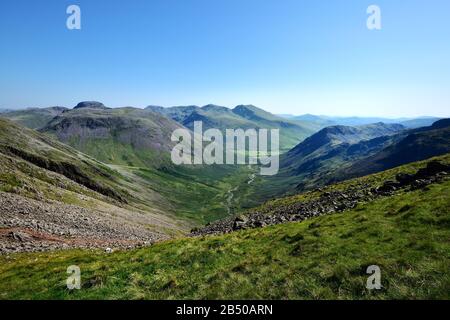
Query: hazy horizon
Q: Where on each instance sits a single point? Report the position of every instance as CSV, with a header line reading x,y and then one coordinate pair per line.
x,y
285,115
294,57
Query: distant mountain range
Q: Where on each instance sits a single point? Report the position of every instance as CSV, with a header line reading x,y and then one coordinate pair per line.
x,y
242,116
136,142
326,121
212,116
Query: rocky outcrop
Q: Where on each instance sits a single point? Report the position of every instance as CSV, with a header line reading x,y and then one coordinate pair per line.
x,y
91,105
328,202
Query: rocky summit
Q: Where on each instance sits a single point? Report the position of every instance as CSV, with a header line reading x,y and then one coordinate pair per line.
x,y
90,105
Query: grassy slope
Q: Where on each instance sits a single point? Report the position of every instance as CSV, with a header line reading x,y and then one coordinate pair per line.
x,y
197,195
34,118
407,235
247,117
19,147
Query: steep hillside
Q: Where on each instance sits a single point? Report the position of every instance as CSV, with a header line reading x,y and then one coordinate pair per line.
x,y
339,153
314,161
53,196
122,136
419,144
34,118
405,234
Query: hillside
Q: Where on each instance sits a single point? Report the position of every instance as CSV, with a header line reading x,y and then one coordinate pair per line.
x,y
314,161
339,153
34,118
405,234
243,116
53,196
131,143
419,144
121,136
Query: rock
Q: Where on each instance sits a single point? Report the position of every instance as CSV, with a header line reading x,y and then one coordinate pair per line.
x,y
404,178
19,236
419,184
240,223
388,187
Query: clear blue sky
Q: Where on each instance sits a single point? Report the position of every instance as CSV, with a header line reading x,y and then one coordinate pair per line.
x,y
287,56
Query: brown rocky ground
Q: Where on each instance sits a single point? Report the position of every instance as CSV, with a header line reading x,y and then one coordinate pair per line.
x,y
30,225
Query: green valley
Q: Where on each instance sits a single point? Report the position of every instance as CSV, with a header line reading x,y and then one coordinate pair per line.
x,y
322,258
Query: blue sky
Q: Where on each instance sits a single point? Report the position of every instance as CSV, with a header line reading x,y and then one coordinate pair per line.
x,y
286,56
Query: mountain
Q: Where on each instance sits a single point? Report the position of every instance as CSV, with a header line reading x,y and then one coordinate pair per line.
x,y
339,153
124,136
242,116
314,161
34,118
418,144
137,143
91,105
178,114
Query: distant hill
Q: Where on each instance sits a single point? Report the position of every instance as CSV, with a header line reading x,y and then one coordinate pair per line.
x,y
242,116
33,118
325,121
420,122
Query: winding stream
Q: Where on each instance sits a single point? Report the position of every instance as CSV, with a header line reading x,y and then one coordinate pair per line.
x,y
231,192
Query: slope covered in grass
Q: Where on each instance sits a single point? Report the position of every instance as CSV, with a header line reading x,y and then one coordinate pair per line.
x,y
407,235
243,116
35,165
33,118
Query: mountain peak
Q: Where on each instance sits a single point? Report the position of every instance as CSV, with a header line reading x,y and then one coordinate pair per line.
x,y
91,105
250,111
214,107
155,108
246,107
